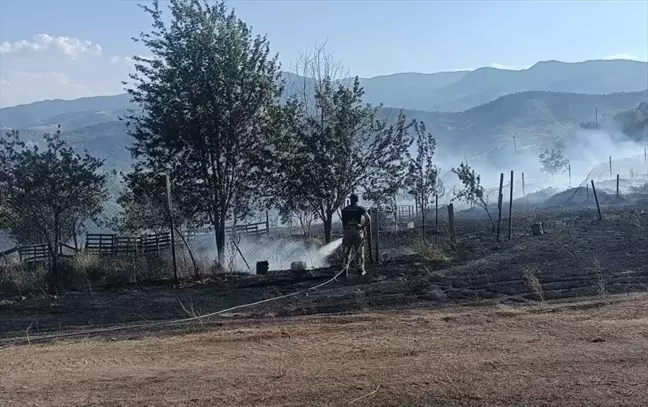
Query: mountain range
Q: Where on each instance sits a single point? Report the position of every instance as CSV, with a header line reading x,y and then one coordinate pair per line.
x,y
472,112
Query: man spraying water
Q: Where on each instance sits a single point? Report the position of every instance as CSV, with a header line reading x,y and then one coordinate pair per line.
x,y
354,233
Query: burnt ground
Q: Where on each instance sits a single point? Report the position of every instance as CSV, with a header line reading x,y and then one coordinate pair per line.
x,y
579,256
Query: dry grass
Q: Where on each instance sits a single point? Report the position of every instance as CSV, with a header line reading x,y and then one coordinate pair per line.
x,y
431,252
531,281
572,356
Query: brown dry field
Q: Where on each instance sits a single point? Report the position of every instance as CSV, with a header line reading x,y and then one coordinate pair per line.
x,y
569,354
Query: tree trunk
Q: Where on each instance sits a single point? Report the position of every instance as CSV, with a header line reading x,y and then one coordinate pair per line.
x,y
74,236
193,260
219,231
54,256
54,251
423,209
328,228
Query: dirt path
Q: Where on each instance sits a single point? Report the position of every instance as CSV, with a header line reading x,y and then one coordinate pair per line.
x,y
595,356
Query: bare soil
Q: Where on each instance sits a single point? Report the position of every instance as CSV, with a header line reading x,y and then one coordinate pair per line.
x,y
588,353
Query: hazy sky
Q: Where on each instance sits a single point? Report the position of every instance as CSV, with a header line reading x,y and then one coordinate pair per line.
x,y
73,48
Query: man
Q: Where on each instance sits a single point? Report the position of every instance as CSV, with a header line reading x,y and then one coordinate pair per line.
x,y
354,232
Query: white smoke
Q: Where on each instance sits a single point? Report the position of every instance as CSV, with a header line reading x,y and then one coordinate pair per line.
x,y
279,252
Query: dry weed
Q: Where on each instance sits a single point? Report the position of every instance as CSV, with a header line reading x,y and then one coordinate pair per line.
x,y
600,285
531,281
433,253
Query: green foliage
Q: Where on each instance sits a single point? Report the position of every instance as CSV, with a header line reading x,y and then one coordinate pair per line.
x,y
423,181
327,151
472,191
205,96
145,204
553,162
47,194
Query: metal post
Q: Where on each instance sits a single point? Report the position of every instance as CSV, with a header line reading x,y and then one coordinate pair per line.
x,y
569,169
610,166
172,226
617,194
598,207
510,230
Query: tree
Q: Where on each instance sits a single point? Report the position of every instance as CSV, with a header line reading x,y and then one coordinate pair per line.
x,y
302,212
144,202
205,95
145,208
553,162
423,180
338,147
472,191
46,194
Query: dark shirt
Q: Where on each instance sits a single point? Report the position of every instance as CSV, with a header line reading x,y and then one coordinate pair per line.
x,y
353,212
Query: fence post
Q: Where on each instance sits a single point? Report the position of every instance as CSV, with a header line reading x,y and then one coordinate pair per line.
x,y
569,170
617,190
598,207
523,190
372,213
610,166
500,198
510,230
377,235
436,213
451,221
267,223
172,226
587,190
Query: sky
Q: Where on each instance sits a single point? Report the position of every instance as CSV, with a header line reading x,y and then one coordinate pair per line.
x,y
73,48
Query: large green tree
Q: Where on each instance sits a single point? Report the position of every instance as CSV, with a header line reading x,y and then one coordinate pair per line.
x,y
47,194
205,95
337,146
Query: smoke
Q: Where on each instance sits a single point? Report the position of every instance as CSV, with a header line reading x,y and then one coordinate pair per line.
x,y
589,153
279,252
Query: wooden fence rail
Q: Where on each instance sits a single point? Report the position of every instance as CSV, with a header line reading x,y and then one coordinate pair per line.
x,y
113,244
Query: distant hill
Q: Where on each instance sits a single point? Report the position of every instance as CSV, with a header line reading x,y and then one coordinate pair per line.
x,y
44,112
535,118
442,91
590,77
462,90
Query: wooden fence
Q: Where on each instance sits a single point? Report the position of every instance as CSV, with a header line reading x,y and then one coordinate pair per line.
x,y
112,244
37,252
